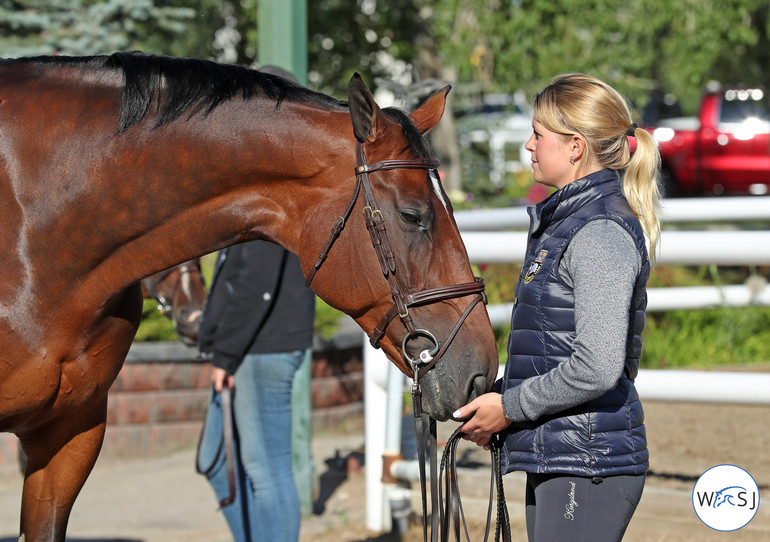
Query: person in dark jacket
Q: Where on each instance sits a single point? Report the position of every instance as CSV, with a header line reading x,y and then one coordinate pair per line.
x,y
257,329
566,407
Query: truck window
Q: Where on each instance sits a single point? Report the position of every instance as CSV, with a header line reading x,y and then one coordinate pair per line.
x,y
741,105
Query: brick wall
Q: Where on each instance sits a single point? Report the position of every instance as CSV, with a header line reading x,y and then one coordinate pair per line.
x,y
157,403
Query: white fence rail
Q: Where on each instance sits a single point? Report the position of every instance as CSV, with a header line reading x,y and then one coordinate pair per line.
x,y
683,210
676,247
704,386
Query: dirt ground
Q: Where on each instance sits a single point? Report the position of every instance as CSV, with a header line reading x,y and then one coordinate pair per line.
x,y
685,440
163,500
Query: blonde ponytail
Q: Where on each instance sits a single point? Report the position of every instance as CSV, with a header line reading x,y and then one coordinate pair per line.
x,y
640,186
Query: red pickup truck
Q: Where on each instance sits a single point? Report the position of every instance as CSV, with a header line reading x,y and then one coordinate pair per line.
x,y
725,150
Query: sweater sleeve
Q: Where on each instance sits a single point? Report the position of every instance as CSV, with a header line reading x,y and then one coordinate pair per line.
x,y
601,264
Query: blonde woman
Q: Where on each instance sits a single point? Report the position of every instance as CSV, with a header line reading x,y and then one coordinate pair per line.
x,y
567,408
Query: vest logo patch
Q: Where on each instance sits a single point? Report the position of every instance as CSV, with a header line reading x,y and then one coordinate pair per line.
x,y
535,267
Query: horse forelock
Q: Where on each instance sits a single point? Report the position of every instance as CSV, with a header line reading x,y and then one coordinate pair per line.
x,y
417,142
175,86
419,145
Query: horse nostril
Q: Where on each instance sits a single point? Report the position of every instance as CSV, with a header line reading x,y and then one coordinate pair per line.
x,y
479,386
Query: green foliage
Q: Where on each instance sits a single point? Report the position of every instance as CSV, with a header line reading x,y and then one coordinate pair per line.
x,y
154,326
83,27
500,281
497,45
685,338
637,46
707,338
207,267
326,319
347,37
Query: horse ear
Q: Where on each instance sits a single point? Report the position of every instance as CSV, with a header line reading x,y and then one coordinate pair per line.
x,y
364,112
426,117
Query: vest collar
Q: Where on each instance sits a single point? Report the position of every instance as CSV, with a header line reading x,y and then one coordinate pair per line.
x,y
573,196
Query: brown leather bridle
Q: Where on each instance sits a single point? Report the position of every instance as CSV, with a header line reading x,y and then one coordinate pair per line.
x,y
403,300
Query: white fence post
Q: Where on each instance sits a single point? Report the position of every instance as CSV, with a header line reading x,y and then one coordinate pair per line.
x,y
375,413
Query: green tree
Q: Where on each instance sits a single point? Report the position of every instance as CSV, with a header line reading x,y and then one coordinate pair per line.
x,y
366,36
492,45
87,27
676,45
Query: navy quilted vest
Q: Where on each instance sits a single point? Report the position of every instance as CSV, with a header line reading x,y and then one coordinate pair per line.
x,y
605,436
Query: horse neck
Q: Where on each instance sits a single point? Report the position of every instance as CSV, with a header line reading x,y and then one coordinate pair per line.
x,y
267,183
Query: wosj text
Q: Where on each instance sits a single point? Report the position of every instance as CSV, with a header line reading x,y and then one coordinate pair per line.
x,y
732,496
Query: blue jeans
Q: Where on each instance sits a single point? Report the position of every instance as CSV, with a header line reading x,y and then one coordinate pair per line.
x,y
266,507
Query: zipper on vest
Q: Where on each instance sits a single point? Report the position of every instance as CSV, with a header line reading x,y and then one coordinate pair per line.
x,y
518,284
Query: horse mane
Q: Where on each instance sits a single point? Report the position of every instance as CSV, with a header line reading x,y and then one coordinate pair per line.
x,y
199,86
188,85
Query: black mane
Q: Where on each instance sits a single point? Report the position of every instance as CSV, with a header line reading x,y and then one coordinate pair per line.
x,y
193,85
199,86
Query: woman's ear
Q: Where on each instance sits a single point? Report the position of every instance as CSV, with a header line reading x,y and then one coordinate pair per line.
x,y
578,146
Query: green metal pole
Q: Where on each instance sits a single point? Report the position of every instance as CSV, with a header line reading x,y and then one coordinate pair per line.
x,y
282,31
283,35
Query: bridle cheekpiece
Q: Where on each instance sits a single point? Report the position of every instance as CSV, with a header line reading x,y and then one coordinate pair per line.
x,y
403,300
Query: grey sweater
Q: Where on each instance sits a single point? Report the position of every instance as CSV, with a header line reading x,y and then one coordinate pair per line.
x,y
601,264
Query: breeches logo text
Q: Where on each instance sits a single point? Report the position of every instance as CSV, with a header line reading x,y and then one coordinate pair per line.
x,y
569,509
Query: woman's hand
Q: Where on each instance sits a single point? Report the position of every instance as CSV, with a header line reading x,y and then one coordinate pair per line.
x,y
219,377
486,418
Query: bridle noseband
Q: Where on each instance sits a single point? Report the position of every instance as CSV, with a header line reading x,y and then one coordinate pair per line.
x,y
403,300
165,304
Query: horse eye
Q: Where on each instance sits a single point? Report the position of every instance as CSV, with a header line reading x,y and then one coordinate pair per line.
x,y
412,217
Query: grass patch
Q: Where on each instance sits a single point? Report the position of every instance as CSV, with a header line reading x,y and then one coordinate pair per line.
x,y
707,338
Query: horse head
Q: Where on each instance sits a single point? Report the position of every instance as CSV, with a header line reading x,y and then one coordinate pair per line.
x,y
180,293
414,294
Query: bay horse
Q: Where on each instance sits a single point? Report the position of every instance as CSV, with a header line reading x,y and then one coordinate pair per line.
x,y
180,292
116,167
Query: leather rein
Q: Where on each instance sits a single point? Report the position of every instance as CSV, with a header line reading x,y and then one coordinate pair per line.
x,y
403,300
